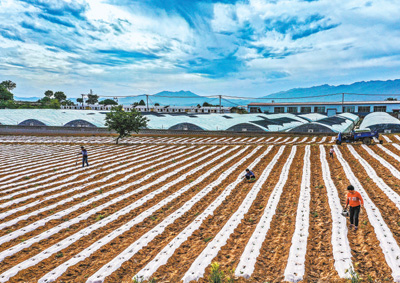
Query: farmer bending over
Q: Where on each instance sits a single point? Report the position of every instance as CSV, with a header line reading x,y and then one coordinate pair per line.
x,y
355,200
84,156
250,176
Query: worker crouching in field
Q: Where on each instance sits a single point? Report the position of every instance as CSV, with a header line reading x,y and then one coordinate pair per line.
x,y
355,201
250,176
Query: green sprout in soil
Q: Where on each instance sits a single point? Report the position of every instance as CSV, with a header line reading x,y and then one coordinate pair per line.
x,y
354,276
218,276
99,217
60,254
207,239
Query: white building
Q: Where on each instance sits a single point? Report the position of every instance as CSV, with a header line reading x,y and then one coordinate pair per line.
x,y
158,109
330,108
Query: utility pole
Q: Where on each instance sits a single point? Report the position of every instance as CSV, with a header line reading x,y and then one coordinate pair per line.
x,y
219,104
83,102
342,102
147,102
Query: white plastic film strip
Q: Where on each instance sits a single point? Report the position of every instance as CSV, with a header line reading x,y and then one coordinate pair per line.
x,y
249,256
388,244
44,191
72,173
396,145
392,195
276,141
386,138
41,169
303,140
293,140
284,140
100,275
78,188
295,267
388,152
93,175
55,158
322,140
162,257
333,139
268,140
60,173
102,223
198,267
312,140
340,244
61,214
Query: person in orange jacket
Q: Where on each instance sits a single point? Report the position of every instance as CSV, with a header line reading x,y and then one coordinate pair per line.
x,y
355,201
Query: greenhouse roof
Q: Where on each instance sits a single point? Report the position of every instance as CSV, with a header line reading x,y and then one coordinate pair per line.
x,y
378,118
264,122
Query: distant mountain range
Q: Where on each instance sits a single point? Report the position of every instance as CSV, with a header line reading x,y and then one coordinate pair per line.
x,y
371,90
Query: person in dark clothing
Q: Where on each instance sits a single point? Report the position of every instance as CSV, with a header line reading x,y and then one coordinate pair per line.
x,y
331,152
250,176
84,156
355,201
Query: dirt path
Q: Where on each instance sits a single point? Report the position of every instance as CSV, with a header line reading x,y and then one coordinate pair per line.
x,y
319,259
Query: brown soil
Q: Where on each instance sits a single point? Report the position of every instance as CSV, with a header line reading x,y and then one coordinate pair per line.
x,y
384,155
389,211
276,246
319,261
190,249
140,259
368,257
230,254
48,264
88,187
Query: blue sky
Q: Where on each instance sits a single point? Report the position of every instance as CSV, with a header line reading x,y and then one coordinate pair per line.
x,y
244,48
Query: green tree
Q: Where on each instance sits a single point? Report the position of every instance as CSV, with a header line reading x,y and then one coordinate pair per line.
x,y
60,96
9,104
108,101
9,85
391,99
124,122
5,94
156,104
48,93
68,103
92,99
206,104
54,104
142,102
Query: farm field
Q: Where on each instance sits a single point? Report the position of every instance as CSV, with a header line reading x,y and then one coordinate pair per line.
x,y
166,208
